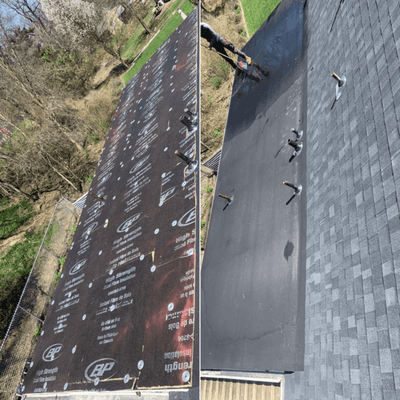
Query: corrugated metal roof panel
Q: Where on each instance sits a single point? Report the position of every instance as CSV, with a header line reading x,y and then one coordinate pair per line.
x,y
225,389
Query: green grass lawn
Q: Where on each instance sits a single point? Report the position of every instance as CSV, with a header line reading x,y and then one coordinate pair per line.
x,y
164,34
169,12
11,218
187,8
128,51
15,266
256,12
134,44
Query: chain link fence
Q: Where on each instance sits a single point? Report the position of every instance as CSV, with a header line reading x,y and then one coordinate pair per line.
x,y
213,162
19,342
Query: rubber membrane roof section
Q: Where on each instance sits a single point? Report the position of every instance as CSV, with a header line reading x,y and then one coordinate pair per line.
x,y
253,272
124,314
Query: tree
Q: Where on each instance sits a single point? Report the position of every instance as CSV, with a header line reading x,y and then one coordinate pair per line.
x,y
18,77
29,10
83,23
41,151
131,10
140,9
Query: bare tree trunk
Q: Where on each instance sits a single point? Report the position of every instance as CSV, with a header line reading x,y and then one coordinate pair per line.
x,y
50,38
26,9
115,54
133,11
78,146
143,24
62,176
48,155
11,186
10,123
7,193
33,95
9,159
17,190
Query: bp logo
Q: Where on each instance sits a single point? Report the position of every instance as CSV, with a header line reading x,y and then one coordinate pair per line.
x,y
90,229
104,179
52,352
127,224
105,368
188,218
187,253
148,128
77,267
167,194
139,164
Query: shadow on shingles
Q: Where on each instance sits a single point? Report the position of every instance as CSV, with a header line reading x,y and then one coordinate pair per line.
x,y
288,250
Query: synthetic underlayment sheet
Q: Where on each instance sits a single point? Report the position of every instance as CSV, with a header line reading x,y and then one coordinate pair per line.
x,y
124,312
253,273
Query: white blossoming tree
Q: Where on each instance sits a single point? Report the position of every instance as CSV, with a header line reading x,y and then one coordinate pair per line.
x,y
84,24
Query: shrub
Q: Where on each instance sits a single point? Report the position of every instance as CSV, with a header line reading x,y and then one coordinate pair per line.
x,y
216,82
93,139
37,332
217,132
15,266
11,218
89,179
57,277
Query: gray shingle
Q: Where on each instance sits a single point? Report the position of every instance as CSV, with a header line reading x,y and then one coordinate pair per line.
x,y
355,252
372,335
385,360
369,302
391,296
393,315
394,334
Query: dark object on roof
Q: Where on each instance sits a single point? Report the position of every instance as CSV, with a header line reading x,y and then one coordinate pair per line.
x,y
253,282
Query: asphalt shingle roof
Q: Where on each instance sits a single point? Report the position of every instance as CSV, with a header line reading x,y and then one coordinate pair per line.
x,y
353,190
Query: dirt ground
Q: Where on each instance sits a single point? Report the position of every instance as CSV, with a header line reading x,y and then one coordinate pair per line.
x,y
215,102
20,343
229,23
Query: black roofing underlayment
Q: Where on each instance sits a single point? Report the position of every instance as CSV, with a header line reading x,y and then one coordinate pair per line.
x,y
124,314
253,273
